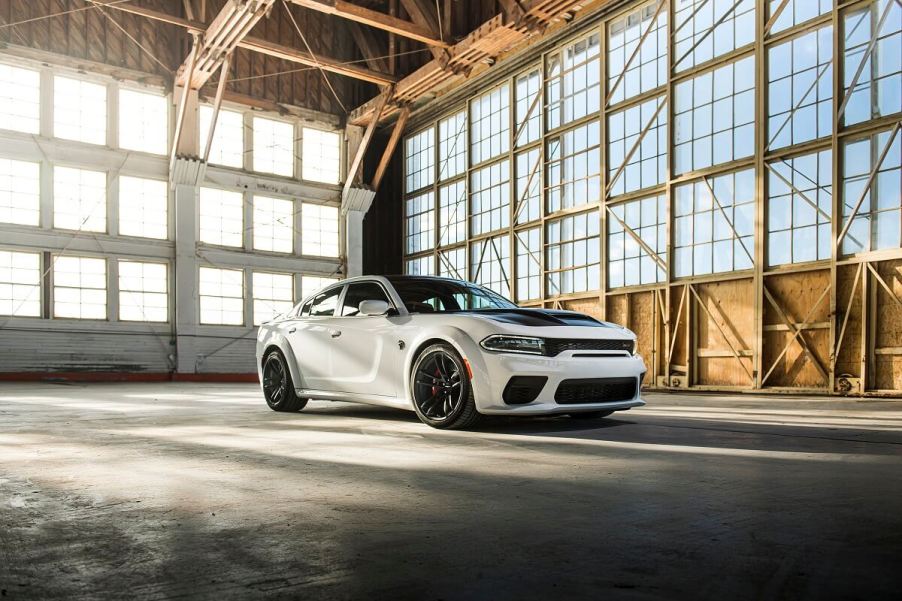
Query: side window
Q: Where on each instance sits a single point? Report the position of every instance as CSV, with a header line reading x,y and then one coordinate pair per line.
x,y
305,310
358,293
324,304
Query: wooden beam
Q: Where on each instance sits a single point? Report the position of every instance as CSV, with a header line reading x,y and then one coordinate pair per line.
x,y
390,147
424,16
361,150
369,47
373,18
257,45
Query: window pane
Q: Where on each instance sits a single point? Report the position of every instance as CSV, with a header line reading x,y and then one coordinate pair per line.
x,y
697,40
20,99
228,136
143,121
221,296
143,291
221,217
79,287
319,230
452,140
574,168
528,108
321,156
648,68
420,266
452,213
273,224
572,254
311,284
452,263
796,12
637,147
20,192
629,262
143,207
490,264
528,198
20,284
79,199
573,78
419,160
79,110
273,146
490,198
419,223
529,264
490,125
273,294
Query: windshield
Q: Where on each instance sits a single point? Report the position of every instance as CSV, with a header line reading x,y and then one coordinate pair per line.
x,y
427,295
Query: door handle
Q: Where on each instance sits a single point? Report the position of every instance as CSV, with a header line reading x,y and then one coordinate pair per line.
x,y
335,333
292,330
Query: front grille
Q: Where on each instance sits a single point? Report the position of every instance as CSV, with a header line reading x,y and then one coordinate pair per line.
x,y
595,390
556,346
523,389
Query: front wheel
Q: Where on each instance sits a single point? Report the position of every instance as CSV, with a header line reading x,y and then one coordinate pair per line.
x,y
278,389
441,391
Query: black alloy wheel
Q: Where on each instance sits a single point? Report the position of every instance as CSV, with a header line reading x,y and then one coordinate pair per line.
x,y
278,389
441,390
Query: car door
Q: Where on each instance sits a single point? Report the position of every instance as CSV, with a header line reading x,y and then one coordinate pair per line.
x,y
366,350
311,337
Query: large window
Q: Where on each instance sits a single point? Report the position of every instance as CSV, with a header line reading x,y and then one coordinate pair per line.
x,y
143,207
273,224
221,217
490,263
490,196
79,199
637,147
634,68
574,164
273,146
875,77
877,222
20,284
800,89
143,121
20,99
20,192
637,242
799,206
79,287
79,110
715,117
273,293
572,254
228,136
221,296
490,125
573,78
143,291
419,219
452,146
714,224
452,213
321,156
419,153
705,29
319,230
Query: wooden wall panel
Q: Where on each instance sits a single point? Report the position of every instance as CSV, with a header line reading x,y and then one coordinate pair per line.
x,y
731,308
848,355
887,328
796,295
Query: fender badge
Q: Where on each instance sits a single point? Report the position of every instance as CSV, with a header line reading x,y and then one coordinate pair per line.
x,y
401,344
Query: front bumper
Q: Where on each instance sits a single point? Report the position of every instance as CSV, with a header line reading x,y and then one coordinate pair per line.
x,y
499,368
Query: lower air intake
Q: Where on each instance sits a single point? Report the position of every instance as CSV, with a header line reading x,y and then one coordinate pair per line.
x,y
523,389
595,390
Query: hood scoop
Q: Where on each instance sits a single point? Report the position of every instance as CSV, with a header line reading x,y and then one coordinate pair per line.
x,y
540,317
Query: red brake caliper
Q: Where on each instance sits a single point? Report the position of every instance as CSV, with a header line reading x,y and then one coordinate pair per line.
x,y
434,387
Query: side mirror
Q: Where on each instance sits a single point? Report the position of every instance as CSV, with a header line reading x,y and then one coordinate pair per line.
x,y
372,307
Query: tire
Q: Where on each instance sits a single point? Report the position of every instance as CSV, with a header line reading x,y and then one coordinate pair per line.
x,y
441,391
278,389
590,414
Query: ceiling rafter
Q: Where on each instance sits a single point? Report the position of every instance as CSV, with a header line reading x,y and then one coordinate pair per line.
x,y
373,18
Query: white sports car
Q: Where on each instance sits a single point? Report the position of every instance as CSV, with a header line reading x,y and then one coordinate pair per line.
x,y
449,350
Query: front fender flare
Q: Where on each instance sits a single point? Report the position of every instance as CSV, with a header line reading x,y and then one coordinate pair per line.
x,y
462,342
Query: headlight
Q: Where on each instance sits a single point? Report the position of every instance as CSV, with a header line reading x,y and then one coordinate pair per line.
x,y
514,344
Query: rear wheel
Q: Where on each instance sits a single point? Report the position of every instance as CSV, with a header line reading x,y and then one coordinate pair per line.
x,y
441,391
278,389
590,414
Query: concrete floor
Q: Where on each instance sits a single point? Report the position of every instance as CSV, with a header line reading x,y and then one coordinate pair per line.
x,y
199,491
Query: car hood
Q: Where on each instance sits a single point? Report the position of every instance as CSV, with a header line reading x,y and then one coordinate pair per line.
x,y
544,323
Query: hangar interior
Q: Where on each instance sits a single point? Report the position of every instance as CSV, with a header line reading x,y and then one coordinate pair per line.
x,y
723,178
